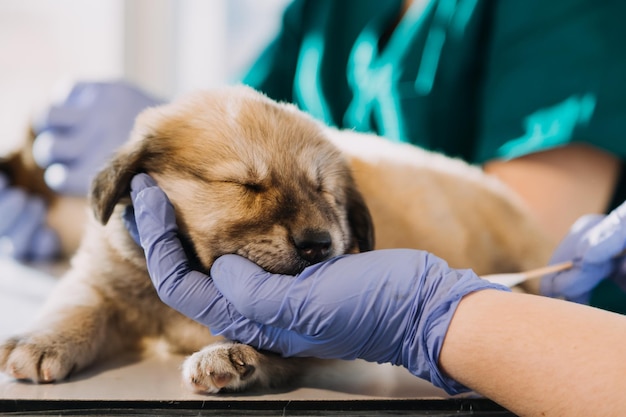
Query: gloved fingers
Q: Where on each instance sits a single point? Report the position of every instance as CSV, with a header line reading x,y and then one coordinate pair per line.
x,y
154,214
59,117
67,179
167,263
64,112
608,238
182,288
287,343
572,248
128,218
194,294
585,223
255,293
223,319
139,183
45,244
294,317
166,259
55,146
12,204
303,303
19,237
576,285
80,95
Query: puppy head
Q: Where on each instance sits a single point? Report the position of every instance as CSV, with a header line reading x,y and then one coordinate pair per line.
x,y
246,175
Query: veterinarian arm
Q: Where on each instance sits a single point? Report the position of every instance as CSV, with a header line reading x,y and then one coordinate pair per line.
x,y
23,230
561,184
538,356
534,355
77,135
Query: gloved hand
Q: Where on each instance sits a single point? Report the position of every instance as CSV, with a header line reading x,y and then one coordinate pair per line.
x,y
382,306
594,244
78,135
23,230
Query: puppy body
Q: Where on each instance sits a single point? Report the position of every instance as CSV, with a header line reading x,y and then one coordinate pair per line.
x,y
425,200
260,179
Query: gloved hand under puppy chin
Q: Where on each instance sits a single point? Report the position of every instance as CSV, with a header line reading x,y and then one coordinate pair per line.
x,y
77,135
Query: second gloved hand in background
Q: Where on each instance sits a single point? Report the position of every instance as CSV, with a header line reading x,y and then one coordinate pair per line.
x,y
595,244
76,136
23,230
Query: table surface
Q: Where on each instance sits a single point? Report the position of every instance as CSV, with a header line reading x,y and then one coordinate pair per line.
x,y
155,378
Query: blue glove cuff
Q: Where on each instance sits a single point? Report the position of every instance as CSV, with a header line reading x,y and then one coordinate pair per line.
x,y
429,333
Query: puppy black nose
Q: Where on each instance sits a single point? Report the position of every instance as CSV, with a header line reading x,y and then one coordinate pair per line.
x,y
313,245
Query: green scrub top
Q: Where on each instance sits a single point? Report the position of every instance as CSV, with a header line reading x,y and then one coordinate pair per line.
x,y
475,79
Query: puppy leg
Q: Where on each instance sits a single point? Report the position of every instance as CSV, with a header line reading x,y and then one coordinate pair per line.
x,y
231,366
71,333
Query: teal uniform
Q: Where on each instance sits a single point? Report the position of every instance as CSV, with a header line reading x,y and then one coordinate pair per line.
x,y
475,79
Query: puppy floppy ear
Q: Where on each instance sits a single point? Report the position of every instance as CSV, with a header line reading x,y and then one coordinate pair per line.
x,y
113,182
143,151
360,221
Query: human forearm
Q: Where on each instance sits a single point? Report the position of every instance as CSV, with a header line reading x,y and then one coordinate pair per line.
x,y
560,185
538,356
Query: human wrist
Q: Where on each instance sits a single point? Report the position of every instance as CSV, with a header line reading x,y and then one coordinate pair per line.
x,y
433,312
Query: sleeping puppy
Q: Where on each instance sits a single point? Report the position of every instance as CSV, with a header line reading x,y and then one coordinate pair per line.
x,y
261,179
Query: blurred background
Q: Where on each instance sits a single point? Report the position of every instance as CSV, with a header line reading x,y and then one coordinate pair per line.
x,y
167,47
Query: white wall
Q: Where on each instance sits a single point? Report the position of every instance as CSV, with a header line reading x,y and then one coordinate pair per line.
x,y
44,42
165,46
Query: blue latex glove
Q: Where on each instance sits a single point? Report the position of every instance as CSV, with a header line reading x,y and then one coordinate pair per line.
x,y
76,136
24,234
382,306
593,243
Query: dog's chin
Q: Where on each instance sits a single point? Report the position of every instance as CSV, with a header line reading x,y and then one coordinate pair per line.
x,y
193,259
291,270
291,266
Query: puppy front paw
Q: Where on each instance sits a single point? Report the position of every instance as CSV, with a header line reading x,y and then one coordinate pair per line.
x,y
222,367
39,358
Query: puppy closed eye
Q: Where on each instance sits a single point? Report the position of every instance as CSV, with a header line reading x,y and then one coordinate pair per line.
x,y
254,187
251,186
328,180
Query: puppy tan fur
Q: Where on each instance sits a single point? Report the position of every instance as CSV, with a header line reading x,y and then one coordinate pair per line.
x,y
263,180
